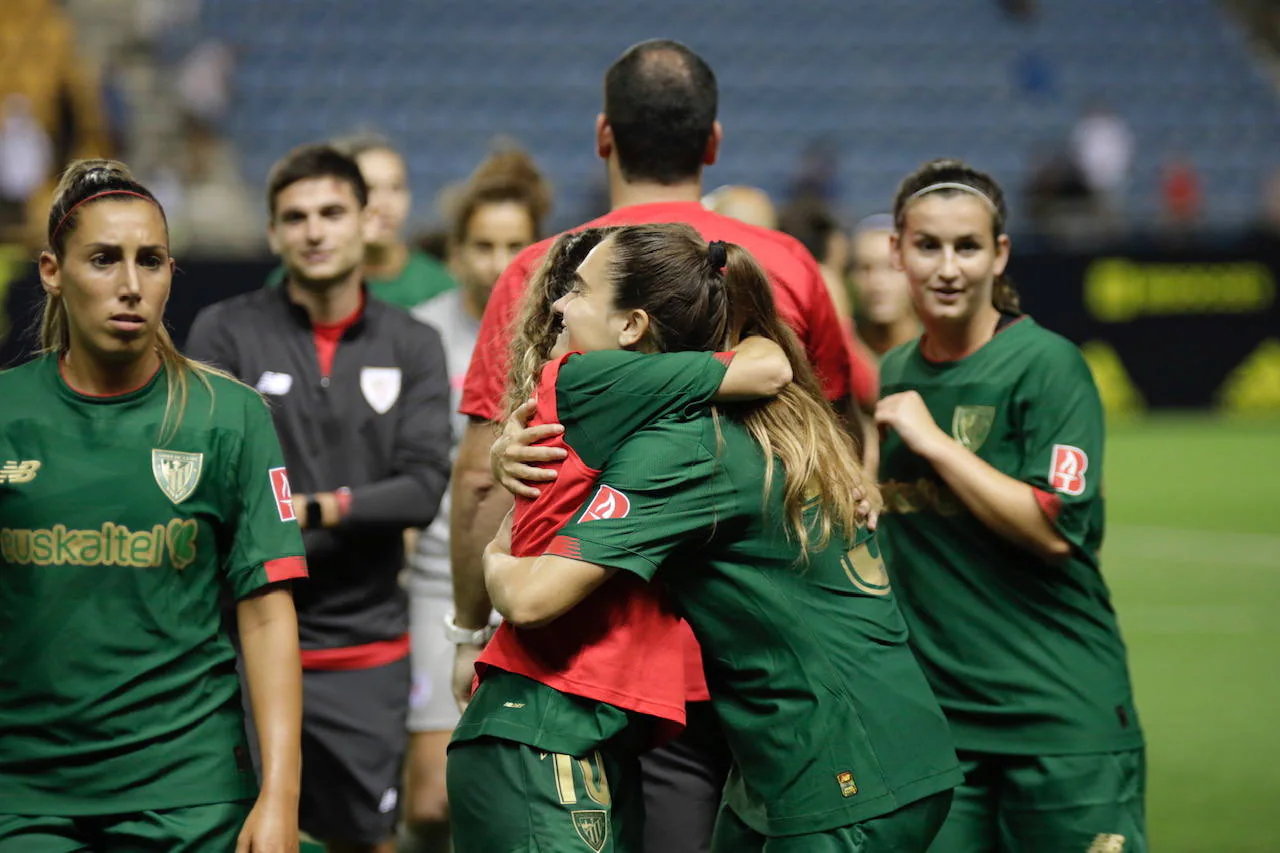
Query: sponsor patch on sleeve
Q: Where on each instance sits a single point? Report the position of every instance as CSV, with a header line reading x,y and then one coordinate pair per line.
x,y
608,502
1067,468
284,494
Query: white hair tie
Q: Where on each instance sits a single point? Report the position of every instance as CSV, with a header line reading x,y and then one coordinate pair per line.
x,y
953,185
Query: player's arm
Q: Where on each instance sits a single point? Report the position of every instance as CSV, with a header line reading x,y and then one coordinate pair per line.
x,y
1007,505
531,591
268,626
756,368
478,508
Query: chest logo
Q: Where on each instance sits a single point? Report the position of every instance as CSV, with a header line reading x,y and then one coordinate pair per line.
x,y
970,425
381,387
275,384
607,503
19,472
177,474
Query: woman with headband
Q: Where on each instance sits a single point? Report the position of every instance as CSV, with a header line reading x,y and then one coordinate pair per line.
x,y
747,516
137,489
991,469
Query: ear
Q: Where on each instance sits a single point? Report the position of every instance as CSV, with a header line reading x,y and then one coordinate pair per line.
x,y
604,137
712,151
272,240
895,252
1003,246
50,274
635,328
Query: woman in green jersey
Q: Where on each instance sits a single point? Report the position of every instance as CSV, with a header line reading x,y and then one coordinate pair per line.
x,y
748,516
137,489
991,469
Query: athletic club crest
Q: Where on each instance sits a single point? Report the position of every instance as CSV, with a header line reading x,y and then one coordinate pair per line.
x,y
177,474
381,387
593,827
970,425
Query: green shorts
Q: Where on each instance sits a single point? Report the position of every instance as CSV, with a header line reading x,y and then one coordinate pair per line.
x,y
906,830
194,829
507,797
1092,803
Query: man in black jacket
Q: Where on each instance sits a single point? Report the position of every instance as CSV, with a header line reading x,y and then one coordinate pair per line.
x,y
360,396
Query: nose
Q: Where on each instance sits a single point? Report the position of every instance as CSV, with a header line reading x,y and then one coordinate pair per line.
x,y
950,268
313,230
558,305
132,282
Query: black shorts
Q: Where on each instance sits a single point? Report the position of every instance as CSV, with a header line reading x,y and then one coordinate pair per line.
x,y
354,741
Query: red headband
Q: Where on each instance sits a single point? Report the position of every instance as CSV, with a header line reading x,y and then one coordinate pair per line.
x,y
67,215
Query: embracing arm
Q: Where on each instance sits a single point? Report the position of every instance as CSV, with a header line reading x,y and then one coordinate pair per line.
x,y
1006,505
477,511
529,592
759,369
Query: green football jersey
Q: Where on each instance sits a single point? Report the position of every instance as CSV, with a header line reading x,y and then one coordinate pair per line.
x,y
422,278
1025,657
827,714
118,687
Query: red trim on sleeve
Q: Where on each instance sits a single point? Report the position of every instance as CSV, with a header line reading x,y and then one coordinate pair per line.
x,y
366,656
285,568
565,546
724,357
1050,503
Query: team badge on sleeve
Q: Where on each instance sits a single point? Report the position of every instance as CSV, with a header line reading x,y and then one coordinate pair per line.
x,y
607,503
284,494
1066,470
177,474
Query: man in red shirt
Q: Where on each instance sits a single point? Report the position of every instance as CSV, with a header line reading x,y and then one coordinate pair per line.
x,y
657,131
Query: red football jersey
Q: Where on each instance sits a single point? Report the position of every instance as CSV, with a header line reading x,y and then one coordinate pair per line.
x,y
623,644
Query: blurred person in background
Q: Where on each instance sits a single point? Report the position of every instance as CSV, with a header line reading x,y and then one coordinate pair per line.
x,y
746,204
394,271
360,399
655,175
497,213
991,471
26,161
1102,145
884,314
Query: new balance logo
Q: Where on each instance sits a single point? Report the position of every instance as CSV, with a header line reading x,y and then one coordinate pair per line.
x,y
19,472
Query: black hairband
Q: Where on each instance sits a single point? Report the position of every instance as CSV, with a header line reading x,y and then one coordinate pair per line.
x,y
717,255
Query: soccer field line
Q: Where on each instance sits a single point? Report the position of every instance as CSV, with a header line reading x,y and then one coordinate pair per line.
x,y
1188,545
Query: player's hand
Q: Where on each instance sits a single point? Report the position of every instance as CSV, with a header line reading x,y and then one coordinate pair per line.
x,y
272,827
513,458
300,510
464,673
864,514
906,413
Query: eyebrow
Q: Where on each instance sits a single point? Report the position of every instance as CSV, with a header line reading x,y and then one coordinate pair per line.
x,y
150,247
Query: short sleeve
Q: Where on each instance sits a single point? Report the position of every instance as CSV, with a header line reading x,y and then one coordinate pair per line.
x,y
266,544
1062,435
635,520
486,379
603,397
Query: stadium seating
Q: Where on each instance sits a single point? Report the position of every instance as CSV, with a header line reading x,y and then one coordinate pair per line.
x,y
889,84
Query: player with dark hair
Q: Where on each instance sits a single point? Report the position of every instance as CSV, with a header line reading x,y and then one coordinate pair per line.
x,y
749,516
656,133
361,402
499,211
137,488
394,271
992,475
